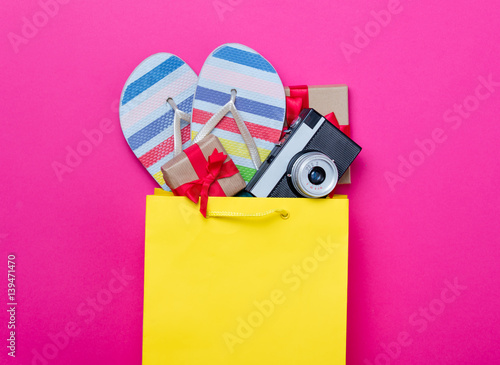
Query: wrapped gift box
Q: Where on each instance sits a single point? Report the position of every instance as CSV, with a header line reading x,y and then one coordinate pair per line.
x,y
325,99
201,170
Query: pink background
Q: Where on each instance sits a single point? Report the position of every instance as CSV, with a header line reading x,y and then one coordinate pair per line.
x,y
438,223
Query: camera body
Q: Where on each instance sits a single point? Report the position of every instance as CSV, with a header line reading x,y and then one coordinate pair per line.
x,y
307,162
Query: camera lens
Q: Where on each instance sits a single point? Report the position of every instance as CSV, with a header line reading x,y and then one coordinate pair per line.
x,y
317,175
313,174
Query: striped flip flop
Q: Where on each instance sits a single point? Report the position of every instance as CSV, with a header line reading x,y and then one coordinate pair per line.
x,y
239,94
155,110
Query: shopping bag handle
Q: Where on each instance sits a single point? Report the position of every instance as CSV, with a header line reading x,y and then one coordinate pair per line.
x,y
284,214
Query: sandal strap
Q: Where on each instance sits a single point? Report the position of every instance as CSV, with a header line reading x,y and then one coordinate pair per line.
x,y
178,115
245,133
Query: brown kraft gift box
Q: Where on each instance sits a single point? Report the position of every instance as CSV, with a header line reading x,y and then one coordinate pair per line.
x,y
326,99
179,170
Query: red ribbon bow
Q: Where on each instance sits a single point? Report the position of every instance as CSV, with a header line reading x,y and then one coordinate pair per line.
x,y
298,100
208,172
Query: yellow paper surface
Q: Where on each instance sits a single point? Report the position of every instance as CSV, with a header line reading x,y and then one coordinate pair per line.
x,y
162,192
245,290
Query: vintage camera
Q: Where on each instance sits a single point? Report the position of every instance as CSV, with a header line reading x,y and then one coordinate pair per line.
x,y
307,162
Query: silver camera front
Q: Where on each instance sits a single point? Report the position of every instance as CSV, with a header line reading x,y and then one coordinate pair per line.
x,y
314,175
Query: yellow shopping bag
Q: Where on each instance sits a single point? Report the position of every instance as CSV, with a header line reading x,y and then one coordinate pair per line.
x,y
261,281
